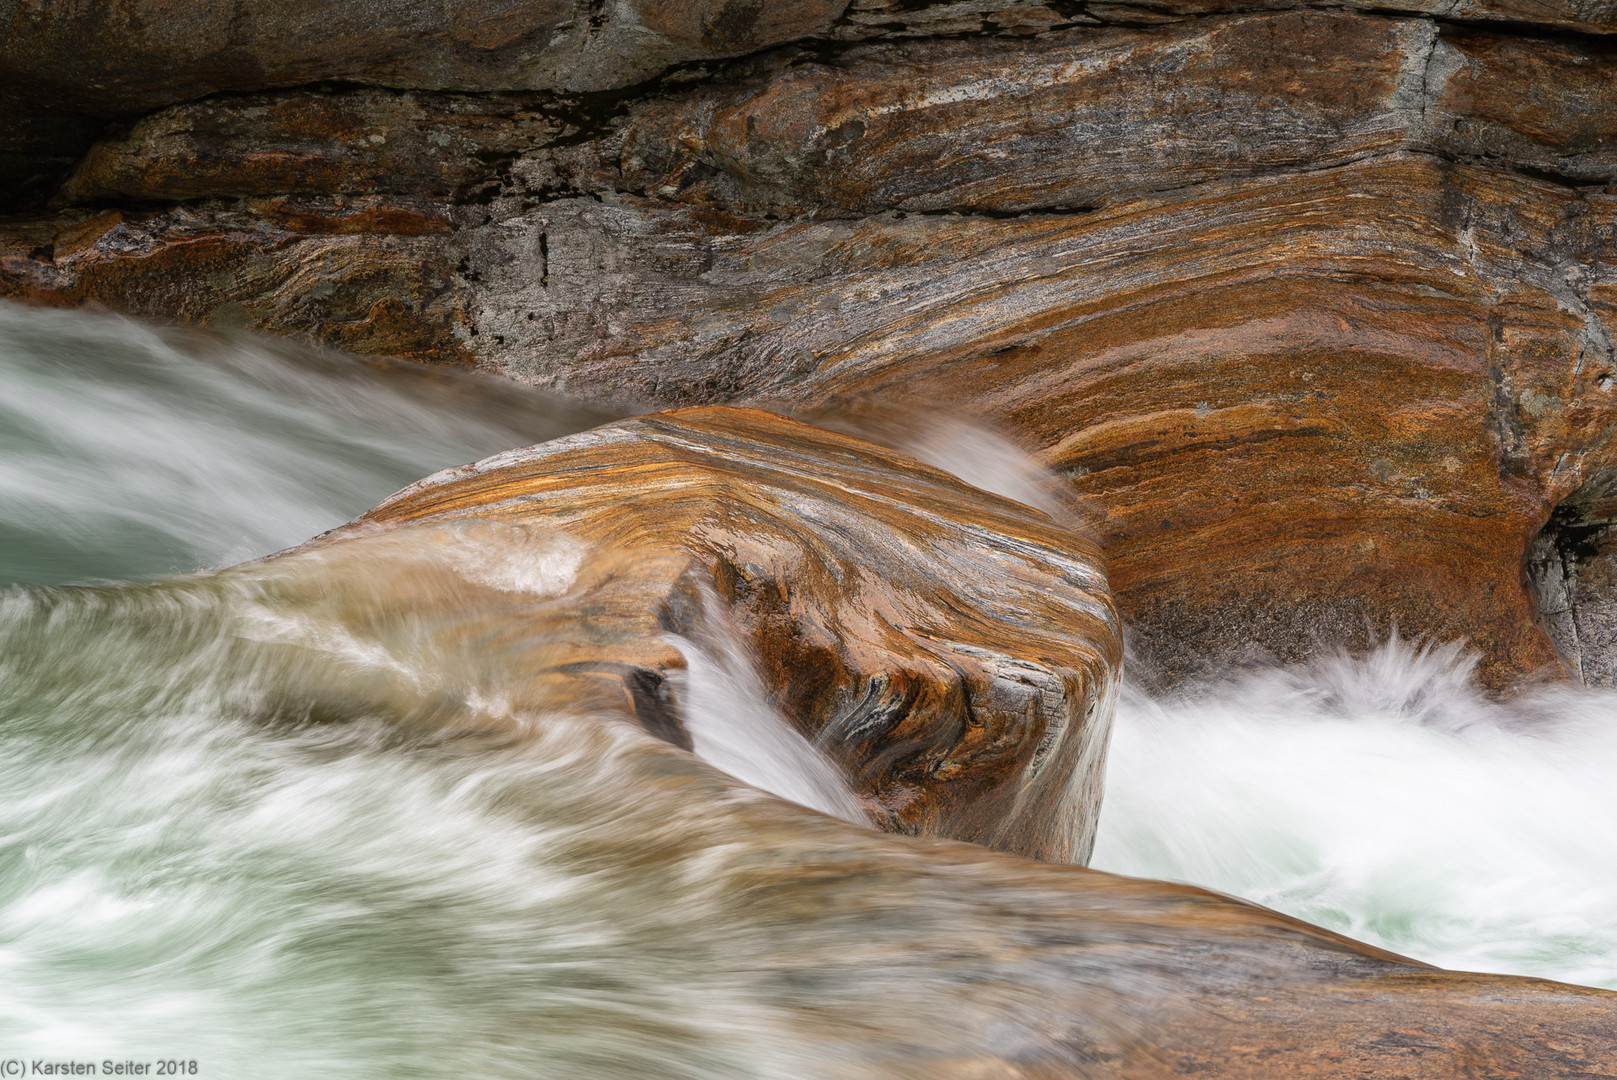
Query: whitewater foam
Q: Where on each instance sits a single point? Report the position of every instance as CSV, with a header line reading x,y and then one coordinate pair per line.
x,y
1386,798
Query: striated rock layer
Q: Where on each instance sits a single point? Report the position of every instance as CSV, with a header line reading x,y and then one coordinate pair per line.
x,y
1313,306
955,653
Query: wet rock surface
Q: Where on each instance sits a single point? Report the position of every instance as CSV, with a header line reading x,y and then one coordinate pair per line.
x,y
1313,305
558,576
956,654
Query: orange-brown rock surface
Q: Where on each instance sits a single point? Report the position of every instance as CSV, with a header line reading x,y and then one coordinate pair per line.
x,y
955,653
1313,306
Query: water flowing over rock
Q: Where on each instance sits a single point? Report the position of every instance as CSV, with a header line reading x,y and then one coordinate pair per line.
x,y
951,658
954,653
1311,306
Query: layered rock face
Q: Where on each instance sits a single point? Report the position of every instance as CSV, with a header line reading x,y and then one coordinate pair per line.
x,y
955,654
1313,306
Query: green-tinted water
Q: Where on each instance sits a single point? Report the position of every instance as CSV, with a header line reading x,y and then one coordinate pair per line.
x,y
219,843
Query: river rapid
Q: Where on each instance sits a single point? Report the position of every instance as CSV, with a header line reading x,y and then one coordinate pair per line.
x,y
219,841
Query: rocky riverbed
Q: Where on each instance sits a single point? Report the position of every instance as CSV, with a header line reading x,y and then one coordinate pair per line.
x,y
1308,311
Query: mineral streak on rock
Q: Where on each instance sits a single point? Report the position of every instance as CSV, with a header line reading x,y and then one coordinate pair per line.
x,y
955,653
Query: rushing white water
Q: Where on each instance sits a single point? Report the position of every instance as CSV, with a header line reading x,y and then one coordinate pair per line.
x,y
734,727
128,450
1387,799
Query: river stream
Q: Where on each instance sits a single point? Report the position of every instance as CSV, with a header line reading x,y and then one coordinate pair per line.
x,y
194,865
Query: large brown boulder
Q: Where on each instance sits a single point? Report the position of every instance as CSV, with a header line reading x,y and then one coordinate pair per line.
x,y
953,652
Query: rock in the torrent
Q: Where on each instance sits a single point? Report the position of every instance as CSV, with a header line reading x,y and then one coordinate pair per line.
x,y
954,653
955,660
1326,343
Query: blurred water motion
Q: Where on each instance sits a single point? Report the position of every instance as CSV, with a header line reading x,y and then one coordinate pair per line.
x,y
262,819
1387,799
128,450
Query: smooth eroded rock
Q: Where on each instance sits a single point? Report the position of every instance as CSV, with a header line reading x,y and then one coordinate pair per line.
x,y
468,618
953,652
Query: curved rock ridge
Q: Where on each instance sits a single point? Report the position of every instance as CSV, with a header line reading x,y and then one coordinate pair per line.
x,y
559,575
953,652
460,620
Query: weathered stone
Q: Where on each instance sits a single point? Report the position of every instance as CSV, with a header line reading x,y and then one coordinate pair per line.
x,y
355,143
955,653
1584,16
63,69
1539,105
1084,117
127,58
1070,119
367,275
1573,569
119,59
